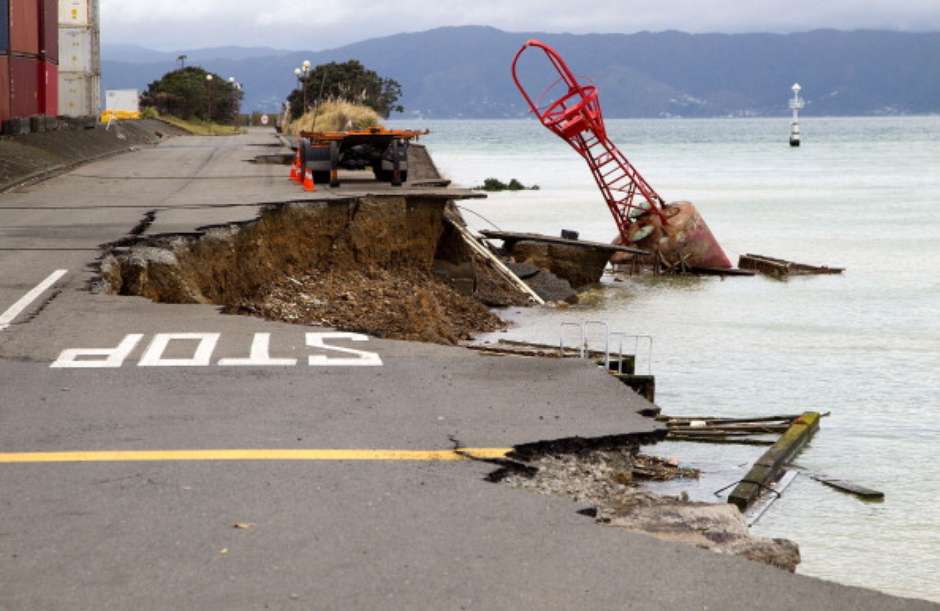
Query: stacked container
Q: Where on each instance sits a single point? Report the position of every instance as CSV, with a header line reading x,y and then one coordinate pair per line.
x,y
79,68
4,60
29,58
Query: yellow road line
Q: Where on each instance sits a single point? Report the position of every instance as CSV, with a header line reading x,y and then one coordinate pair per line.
x,y
269,454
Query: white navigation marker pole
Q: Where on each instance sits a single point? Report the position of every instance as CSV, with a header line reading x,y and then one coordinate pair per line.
x,y
796,104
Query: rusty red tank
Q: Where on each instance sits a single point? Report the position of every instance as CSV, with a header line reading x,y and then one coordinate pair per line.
x,y
685,238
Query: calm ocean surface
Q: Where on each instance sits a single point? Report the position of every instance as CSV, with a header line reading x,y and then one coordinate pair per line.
x,y
862,193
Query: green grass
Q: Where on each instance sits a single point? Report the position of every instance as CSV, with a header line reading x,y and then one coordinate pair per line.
x,y
202,128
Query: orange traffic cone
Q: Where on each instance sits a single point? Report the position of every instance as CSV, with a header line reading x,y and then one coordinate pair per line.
x,y
308,181
295,169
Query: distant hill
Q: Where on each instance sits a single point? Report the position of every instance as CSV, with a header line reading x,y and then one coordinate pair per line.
x,y
135,54
464,71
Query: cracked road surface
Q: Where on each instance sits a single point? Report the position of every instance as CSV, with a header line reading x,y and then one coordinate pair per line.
x,y
318,533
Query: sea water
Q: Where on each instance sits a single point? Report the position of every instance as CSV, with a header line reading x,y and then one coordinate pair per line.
x,y
861,193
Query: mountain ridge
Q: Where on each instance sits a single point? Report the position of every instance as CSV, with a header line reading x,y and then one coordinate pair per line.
x,y
463,71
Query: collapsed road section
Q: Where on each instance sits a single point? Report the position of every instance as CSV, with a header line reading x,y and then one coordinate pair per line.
x,y
393,266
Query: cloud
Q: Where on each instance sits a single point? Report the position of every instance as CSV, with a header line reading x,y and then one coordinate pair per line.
x,y
321,24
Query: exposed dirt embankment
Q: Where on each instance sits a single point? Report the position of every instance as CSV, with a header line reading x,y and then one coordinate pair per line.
x,y
33,155
363,264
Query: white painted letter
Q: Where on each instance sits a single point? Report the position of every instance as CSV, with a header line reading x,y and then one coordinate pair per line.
x,y
113,357
153,357
259,356
364,359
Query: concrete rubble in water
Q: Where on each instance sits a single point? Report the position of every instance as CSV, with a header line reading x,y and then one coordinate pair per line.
x,y
606,478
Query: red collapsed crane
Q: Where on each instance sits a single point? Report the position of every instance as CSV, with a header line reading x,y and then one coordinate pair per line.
x,y
638,210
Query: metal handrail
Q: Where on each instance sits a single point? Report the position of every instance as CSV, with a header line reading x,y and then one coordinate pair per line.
x,y
601,323
561,338
621,335
584,348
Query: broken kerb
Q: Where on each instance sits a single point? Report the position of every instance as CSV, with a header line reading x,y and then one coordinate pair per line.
x,y
607,474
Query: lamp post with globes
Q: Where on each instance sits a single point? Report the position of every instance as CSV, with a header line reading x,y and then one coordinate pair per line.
x,y
209,87
302,73
236,87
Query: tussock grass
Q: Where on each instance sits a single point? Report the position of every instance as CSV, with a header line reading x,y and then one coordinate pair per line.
x,y
336,115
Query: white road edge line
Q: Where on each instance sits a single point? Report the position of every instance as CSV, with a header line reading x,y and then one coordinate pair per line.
x,y
6,319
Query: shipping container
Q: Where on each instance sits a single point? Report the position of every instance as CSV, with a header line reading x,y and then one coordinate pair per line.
x,y
4,88
49,100
24,27
49,30
79,94
24,86
4,26
76,13
76,50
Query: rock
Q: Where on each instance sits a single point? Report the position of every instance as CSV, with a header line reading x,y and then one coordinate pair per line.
x,y
580,265
717,527
524,269
550,287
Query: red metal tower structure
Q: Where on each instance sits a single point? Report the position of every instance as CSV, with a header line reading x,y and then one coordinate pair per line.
x,y
577,118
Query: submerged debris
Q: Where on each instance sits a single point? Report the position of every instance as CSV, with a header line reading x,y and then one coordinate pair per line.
x,y
781,268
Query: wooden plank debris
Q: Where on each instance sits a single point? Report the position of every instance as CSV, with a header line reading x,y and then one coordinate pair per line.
x,y
508,237
781,268
850,487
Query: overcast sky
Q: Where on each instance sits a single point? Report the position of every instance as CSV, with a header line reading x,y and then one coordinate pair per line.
x,y
323,24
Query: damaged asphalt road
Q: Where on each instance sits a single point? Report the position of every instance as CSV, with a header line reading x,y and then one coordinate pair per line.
x,y
136,375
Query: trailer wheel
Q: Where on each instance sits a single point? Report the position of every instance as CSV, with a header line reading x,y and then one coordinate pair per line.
x,y
305,153
333,176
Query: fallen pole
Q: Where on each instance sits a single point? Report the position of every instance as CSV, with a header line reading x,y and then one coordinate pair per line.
x,y
772,464
474,243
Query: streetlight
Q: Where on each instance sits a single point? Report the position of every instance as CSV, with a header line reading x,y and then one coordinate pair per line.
x,y
209,86
301,74
236,86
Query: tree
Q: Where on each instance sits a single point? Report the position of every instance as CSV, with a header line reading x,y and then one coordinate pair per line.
x,y
350,81
186,93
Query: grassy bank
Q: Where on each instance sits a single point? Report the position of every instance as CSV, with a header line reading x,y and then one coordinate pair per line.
x,y
202,128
